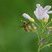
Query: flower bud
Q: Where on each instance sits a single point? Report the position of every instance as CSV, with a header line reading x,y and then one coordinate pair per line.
x,y
28,17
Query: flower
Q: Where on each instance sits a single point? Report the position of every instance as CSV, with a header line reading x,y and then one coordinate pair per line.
x,y
27,17
42,13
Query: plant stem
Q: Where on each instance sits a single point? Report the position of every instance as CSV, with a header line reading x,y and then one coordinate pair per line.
x,y
39,48
39,43
47,45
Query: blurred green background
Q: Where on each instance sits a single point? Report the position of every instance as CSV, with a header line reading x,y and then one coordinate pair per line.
x,y
12,37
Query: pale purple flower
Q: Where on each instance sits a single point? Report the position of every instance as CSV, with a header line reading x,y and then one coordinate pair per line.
x,y
42,13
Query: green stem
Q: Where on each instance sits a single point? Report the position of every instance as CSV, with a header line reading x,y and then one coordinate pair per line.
x,y
46,45
39,37
39,48
39,43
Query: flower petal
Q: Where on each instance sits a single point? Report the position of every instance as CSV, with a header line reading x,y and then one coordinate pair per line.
x,y
39,17
46,8
49,12
46,16
39,12
37,5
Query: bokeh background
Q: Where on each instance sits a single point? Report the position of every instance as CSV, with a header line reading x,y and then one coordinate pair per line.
x,y
12,37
